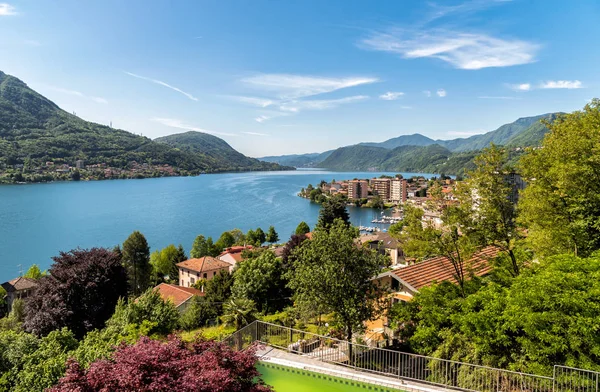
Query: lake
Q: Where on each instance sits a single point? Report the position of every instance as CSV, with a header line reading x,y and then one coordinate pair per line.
x,y
39,220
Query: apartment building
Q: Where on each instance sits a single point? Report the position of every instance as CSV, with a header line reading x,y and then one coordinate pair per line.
x,y
382,186
358,189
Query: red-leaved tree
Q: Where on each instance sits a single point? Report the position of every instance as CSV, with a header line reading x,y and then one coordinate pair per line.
x,y
151,365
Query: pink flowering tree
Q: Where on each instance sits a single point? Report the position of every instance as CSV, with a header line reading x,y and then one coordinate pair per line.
x,y
151,365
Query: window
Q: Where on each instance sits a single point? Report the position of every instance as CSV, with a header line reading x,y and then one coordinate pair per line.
x,y
214,273
182,282
205,276
192,281
395,285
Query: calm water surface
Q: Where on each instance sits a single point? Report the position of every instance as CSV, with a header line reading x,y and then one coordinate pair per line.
x,y
37,221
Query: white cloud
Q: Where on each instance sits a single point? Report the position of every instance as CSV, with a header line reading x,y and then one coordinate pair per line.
x,y
497,97
441,93
520,86
570,84
261,102
174,123
391,96
262,119
427,93
7,9
79,94
289,87
320,104
190,96
438,11
255,134
461,50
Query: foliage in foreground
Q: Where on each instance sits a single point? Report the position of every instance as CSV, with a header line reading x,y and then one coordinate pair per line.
x,y
151,365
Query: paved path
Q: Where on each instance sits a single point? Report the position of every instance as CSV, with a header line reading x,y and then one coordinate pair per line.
x,y
307,362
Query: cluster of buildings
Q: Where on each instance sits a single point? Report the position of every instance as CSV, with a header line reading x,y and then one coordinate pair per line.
x,y
390,190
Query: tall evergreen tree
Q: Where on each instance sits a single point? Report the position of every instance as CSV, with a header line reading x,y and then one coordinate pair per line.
x,y
199,248
333,208
272,235
302,228
136,259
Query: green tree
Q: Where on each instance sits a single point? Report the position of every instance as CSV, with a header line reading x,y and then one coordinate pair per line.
x,y
136,259
330,271
180,257
200,247
260,280
256,237
302,228
34,272
332,209
239,312
218,290
272,235
198,313
225,241
488,213
560,207
238,236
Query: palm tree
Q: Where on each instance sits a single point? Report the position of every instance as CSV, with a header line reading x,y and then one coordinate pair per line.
x,y
239,312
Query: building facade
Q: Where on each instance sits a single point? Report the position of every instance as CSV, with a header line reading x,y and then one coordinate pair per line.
x,y
192,270
382,187
358,189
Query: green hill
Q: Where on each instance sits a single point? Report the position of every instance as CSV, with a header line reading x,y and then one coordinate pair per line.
x,y
214,150
34,130
405,140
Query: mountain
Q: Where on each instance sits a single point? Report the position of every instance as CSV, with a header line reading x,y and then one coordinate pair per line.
x,y
405,140
524,132
34,130
214,150
299,160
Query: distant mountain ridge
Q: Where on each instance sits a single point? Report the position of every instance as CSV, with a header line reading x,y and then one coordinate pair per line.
x,y
34,129
410,152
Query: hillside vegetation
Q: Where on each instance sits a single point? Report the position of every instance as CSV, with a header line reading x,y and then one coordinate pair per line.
x,y
34,130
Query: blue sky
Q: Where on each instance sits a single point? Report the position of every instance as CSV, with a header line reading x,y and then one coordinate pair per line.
x,y
279,77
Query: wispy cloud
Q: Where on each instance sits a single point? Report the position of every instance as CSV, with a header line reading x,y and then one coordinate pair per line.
x,y
288,86
570,84
78,94
391,95
255,134
260,102
161,83
262,119
7,9
319,104
32,42
461,50
438,11
497,97
520,86
441,93
427,93
175,123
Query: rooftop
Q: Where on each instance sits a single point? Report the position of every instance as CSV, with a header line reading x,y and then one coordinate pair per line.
x,y
204,264
176,294
439,269
18,284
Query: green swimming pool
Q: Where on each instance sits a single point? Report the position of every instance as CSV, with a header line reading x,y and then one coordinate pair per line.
x,y
287,379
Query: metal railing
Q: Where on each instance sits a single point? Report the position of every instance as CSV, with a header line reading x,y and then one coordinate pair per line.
x,y
575,380
390,363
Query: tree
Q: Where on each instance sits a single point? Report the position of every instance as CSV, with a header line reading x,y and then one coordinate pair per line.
x,y
34,272
488,212
225,241
218,290
180,257
287,255
136,259
152,365
332,209
80,292
272,235
260,280
201,247
256,237
198,313
239,312
302,228
164,263
560,207
261,236
238,236
331,271
161,316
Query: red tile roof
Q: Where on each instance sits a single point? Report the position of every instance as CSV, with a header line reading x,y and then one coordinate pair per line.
x,y
176,294
440,268
20,283
204,264
236,252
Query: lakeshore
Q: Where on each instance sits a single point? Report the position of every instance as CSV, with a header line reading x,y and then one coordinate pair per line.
x,y
39,220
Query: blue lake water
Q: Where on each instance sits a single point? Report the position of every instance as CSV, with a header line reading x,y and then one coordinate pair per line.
x,y
37,221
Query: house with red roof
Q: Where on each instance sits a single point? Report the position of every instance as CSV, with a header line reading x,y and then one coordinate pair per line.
x,y
19,288
233,255
180,296
207,267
